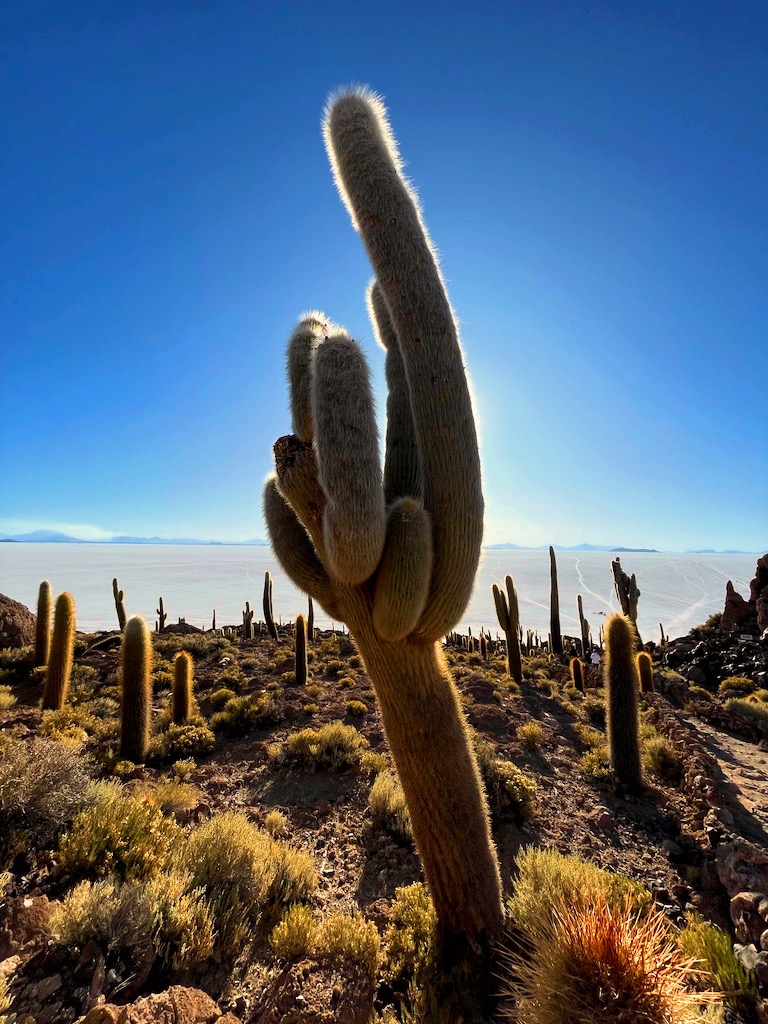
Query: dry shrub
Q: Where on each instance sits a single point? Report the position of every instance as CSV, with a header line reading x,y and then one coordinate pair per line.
x,y
349,937
547,878
276,824
332,746
716,965
295,935
530,734
603,963
242,870
661,757
388,808
42,787
125,916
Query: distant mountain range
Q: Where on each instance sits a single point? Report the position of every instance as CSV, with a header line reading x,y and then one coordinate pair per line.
x,y
53,537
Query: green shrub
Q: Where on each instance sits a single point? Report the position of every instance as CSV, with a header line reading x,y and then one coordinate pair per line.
x,y
221,697
660,755
7,699
547,878
331,746
588,736
346,682
125,835
122,917
350,938
717,965
180,741
410,939
333,667
509,789
739,683
596,765
593,709
242,714
388,808
357,708
699,693
530,734
276,824
184,769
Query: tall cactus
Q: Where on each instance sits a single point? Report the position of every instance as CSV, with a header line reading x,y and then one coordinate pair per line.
x,y
301,650
556,637
61,654
583,628
119,606
43,624
621,684
161,616
183,669
628,593
269,618
136,695
248,622
508,614
394,555
311,621
645,672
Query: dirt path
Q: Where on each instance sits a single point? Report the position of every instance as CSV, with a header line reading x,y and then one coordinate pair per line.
x,y
744,765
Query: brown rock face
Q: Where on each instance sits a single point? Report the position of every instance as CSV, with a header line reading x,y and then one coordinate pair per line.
x,y
178,1005
17,623
741,614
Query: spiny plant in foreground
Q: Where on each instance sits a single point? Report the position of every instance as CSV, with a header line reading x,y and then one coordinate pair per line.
x,y
621,688
43,625
394,555
61,654
136,697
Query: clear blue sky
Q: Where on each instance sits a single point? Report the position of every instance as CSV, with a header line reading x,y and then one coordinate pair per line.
x,y
593,173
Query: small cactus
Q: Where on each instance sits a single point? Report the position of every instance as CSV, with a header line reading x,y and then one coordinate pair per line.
x,y
621,685
645,672
43,624
213,624
577,674
556,637
269,618
61,654
301,650
136,696
183,668
161,616
119,606
248,622
508,613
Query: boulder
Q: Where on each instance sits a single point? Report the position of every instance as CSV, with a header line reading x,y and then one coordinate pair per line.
x,y
178,1005
737,611
17,623
748,615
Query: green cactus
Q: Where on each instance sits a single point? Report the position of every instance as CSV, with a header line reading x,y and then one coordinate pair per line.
x,y
621,686
43,625
183,669
119,606
555,636
508,614
628,593
394,553
311,621
645,672
161,616
577,674
269,618
136,694
248,622
61,654
301,650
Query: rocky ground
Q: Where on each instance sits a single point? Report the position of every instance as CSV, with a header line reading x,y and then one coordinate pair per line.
x,y
696,837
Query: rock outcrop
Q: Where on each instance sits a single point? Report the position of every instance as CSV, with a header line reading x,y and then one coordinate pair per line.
x,y
748,615
17,623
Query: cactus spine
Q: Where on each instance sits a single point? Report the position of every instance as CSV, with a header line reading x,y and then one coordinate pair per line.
x,y
325,510
43,624
577,674
645,672
301,650
268,616
136,696
183,668
61,654
119,606
621,687
508,613
556,639
161,616
628,593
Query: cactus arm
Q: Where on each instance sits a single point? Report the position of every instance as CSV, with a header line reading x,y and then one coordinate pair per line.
x,y
297,480
309,332
402,462
402,582
349,468
367,167
295,552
